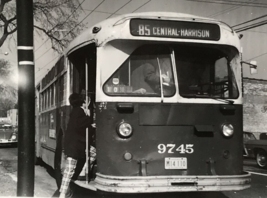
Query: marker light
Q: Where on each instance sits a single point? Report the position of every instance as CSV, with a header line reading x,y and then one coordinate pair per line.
x,y
125,129
127,156
227,130
13,137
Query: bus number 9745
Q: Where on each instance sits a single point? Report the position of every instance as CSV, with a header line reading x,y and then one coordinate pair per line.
x,y
171,148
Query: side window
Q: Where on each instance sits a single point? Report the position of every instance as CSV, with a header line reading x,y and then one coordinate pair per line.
x,y
221,73
80,61
221,78
225,84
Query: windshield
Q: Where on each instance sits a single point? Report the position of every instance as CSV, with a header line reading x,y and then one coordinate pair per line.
x,y
202,72
205,72
140,74
248,136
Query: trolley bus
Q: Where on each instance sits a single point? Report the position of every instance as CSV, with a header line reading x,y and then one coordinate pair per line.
x,y
167,89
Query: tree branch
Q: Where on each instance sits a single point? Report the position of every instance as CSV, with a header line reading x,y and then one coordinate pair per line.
x,y
2,4
49,15
60,42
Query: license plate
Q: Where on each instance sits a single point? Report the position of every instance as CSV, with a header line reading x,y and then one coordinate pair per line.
x,y
175,163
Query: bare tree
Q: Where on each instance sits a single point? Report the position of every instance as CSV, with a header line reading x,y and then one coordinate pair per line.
x,y
8,93
5,68
55,19
7,104
5,73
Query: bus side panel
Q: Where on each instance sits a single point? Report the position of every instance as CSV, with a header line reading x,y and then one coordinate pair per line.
x,y
54,122
191,131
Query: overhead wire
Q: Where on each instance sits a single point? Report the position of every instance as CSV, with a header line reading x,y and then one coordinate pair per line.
x,y
63,22
216,14
141,6
258,24
250,20
248,27
224,11
234,8
57,25
229,9
68,33
119,9
263,54
251,26
45,66
261,32
87,17
48,39
233,3
84,18
255,24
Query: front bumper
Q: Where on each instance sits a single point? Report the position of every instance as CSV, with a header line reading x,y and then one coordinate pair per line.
x,y
5,141
150,184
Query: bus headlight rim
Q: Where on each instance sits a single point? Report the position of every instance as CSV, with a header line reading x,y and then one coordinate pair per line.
x,y
227,130
125,129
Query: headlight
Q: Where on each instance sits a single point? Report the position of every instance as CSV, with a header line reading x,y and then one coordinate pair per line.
x,y
125,129
13,137
227,130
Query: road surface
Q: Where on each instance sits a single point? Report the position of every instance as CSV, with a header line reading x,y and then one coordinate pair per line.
x,y
45,185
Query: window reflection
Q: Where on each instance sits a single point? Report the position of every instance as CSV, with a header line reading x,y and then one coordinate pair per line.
x,y
202,72
140,74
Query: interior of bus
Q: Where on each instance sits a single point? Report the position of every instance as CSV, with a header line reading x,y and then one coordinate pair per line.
x,y
83,60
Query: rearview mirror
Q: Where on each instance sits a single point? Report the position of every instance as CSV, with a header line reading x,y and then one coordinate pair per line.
x,y
253,67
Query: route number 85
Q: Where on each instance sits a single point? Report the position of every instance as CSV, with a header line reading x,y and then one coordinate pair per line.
x,y
144,30
171,148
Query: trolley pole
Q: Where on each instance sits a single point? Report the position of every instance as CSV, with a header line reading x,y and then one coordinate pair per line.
x,y
26,99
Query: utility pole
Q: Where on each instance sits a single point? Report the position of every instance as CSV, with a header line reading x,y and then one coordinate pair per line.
x,y
26,100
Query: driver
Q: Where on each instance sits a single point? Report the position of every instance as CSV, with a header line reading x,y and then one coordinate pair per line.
x,y
151,79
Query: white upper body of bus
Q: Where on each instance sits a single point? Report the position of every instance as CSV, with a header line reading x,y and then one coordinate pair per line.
x,y
118,37
118,28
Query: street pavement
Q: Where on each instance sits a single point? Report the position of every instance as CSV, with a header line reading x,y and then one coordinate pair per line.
x,y
45,185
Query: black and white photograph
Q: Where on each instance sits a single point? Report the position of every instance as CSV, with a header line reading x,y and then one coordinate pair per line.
x,y
133,98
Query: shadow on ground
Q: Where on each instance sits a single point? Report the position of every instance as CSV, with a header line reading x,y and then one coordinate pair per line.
x,y
81,193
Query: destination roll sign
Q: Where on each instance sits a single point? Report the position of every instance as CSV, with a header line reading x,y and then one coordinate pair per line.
x,y
174,29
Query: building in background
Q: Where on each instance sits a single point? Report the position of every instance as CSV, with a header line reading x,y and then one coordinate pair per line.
x,y
12,114
255,105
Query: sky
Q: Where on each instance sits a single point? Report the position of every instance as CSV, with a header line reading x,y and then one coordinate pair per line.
x,y
232,12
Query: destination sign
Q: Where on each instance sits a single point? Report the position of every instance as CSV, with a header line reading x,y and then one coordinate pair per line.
x,y
174,29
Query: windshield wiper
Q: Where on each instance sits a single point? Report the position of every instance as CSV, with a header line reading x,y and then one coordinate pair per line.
x,y
209,97
224,100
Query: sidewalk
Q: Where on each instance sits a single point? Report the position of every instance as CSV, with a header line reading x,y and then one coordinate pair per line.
x,y
8,185
44,184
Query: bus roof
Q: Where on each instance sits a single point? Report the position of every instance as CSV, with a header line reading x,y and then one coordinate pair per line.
x,y
88,36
